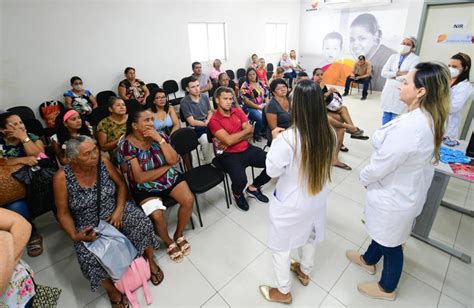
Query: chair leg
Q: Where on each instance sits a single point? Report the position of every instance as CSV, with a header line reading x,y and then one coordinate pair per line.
x,y
350,87
197,208
225,193
228,188
192,222
197,154
253,174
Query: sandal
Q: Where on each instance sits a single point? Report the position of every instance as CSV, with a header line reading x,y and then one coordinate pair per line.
x,y
343,149
343,166
121,302
358,132
295,268
157,277
35,246
361,137
175,253
183,245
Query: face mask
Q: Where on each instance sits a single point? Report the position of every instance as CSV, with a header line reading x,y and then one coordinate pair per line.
x,y
77,87
454,72
404,49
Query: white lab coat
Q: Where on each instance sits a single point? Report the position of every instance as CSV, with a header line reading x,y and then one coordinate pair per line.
x,y
294,215
461,94
390,98
398,177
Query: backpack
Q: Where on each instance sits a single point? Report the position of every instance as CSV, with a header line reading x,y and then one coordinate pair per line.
x,y
135,277
49,110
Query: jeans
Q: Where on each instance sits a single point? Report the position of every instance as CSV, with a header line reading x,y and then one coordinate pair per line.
x,y
290,77
387,117
364,81
235,163
256,116
21,207
392,264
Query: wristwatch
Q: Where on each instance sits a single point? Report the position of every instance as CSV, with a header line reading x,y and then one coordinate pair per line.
x,y
27,139
162,141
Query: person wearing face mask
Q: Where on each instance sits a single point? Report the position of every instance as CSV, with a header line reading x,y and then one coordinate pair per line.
x,y
461,91
80,99
395,71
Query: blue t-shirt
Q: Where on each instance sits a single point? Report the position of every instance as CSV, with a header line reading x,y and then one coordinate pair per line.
x,y
81,103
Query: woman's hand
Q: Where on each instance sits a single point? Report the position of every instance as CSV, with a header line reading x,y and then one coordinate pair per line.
x,y
86,235
28,161
153,134
276,131
13,131
116,219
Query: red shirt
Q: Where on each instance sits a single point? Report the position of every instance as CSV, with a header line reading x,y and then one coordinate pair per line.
x,y
232,124
262,75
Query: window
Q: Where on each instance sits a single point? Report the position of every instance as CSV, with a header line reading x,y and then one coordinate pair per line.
x,y
207,41
275,38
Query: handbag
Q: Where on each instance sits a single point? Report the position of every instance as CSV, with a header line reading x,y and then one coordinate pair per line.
x,y
137,276
39,185
12,189
334,102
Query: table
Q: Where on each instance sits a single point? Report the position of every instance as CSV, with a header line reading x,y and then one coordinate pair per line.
x,y
434,199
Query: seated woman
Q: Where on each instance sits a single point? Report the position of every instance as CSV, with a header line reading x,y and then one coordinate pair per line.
x,y
278,74
289,68
69,124
262,72
112,128
165,118
132,88
216,70
75,192
21,148
149,162
278,110
254,95
16,286
224,81
80,99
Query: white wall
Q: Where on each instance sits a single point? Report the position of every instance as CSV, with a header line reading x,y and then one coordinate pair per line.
x,y
44,43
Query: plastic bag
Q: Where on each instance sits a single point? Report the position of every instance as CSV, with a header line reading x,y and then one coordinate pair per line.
x,y
114,250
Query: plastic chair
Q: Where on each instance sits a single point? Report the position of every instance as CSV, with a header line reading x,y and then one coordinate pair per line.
x,y
231,74
171,87
269,67
201,178
98,114
103,97
240,73
152,87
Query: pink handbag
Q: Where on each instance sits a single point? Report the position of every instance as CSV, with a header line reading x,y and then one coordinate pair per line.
x,y
135,277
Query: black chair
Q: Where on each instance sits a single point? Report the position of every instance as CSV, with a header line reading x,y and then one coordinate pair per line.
x,y
269,67
98,114
34,126
133,106
152,87
231,74
269,75
201,178
103,97
265,125
171,87
241,81
240,73
24,112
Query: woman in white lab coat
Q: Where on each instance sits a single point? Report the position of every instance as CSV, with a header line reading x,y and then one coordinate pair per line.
x,y
400,173
461,91
395,70
301,157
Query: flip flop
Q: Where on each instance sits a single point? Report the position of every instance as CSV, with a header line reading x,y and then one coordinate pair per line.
x,y
121,302
361,137
343,166
343,149
159,275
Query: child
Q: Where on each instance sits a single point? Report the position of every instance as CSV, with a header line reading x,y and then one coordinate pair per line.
x,y
261,71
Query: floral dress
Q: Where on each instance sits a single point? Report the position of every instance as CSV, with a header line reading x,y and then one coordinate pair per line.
x,y
136,90
113,130
20,290
83,206
257,95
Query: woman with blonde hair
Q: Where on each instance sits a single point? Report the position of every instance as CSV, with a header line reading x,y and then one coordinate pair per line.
x,y
400,173
301,157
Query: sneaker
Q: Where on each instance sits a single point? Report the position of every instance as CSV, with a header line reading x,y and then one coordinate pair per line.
x,y
363,98
356,258
241,203
373,290
345,93
257,194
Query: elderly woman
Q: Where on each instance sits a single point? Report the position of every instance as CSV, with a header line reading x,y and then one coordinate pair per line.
x,y
132,88
75,190
149,162
216,70
165,118
254,95
16,285
69,124
21,148
112,128
79,98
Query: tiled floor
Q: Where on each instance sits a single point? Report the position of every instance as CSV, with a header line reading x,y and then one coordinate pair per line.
x,y
230,259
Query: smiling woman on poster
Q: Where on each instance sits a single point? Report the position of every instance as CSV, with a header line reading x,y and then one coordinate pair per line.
x,y
366,40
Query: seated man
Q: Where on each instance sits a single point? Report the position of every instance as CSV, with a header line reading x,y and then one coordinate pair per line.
x,y
196,109
205,83
231,127
361,73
